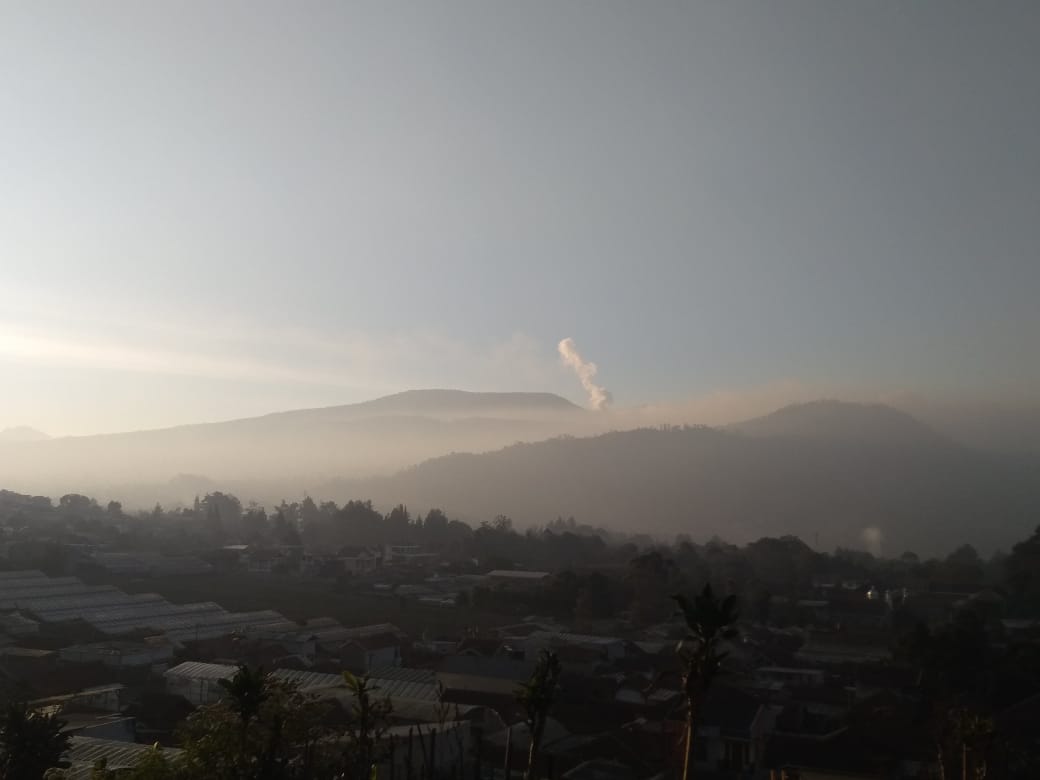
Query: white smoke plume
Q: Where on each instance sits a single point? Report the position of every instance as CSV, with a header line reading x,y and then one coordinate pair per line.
x,y
872,538
599,397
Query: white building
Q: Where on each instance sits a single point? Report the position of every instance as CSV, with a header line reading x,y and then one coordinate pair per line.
x,y
408,555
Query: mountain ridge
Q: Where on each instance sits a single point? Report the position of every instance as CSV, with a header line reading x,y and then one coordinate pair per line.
x,y
867,423
296,446
22,433
706,481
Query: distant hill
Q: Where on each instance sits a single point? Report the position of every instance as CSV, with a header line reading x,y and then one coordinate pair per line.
x,y
824,470
843,421
923,493
22,433
454,402
291,450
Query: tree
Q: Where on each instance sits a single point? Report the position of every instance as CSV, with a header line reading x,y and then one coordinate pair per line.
x,y
264,729
75,504
1023,574
435,527
596,598
284,529
963,743
368,723
536,697
30,743
397,524
223,512
502,523
651,577
246,693
709,621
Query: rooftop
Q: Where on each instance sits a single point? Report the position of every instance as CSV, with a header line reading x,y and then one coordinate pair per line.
x,y
84,752
575,639
518,574
202,671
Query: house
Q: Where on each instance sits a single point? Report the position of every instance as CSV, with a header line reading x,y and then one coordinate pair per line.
x,y
310,681
103,725
198,682
838,648
732,732
374,629
100,698
26,662
608,648
236,552
790,677
515,579
84,753
118,654
483,680
263,561
408,555
479,646
358,561
17,624
412,691
883,739
859,610
362,654
643,694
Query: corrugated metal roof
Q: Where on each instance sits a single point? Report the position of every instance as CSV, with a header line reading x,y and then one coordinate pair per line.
x,y
84,752
469,682
321,622
66,598
305,680
517,574
404,674
55,582
575,639
24,574
500,667
113,612
403,689
31,597
197,670
427,711
360,632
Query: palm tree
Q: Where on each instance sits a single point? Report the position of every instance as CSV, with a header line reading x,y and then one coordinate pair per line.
x,y
368,724
30,743
246,691
536,696
709,621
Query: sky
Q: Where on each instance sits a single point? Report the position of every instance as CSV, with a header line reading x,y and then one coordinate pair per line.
x,y
212,210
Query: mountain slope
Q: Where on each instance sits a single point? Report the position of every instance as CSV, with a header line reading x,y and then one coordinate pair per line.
x,y
703,481
843,421
295,448
22,433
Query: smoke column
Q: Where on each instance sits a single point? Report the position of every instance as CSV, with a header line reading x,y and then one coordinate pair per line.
x,y
599,397
872,538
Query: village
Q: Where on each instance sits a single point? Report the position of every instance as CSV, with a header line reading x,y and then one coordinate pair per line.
x,y
814,686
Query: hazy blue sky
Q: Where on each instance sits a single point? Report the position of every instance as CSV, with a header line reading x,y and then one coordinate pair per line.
x,y
212,209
